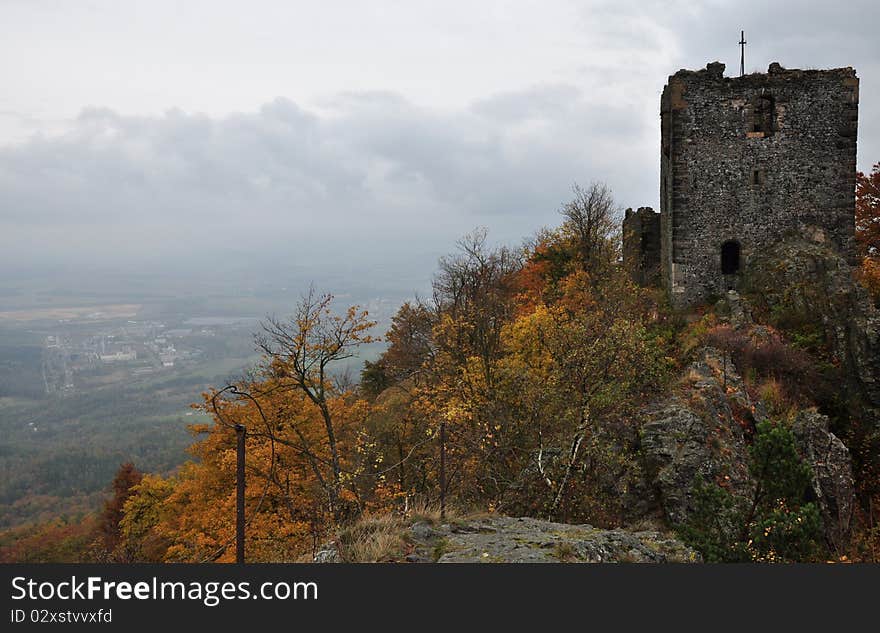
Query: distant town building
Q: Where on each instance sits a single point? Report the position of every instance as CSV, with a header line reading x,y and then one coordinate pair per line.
x,y
118,357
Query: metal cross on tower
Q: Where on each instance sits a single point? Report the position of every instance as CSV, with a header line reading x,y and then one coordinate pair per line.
x,y
742,53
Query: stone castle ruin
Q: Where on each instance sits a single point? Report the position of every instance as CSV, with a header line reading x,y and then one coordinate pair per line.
x,y
745,162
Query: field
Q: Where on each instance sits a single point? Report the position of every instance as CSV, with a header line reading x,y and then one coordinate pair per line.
x,y
91,313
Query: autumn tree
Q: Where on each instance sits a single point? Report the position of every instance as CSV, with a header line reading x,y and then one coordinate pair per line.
x,y
591,221
127,477
301,353
410,350
868,229
868,212
310,462
56,541
531,356
411,345
143,512
190,517
401,384
578,366
549,259
474,295
403,430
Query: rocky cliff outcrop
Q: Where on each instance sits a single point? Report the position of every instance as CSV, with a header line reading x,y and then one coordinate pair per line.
x,y
699,432
832,482
806,279
703,431
501,539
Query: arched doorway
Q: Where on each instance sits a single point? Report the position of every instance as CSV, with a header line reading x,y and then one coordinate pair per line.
x,y
730,257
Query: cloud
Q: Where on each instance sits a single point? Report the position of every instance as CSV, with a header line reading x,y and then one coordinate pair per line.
x,y
370,163
374,171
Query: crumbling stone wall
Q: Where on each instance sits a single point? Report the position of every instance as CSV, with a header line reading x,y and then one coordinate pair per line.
x,y
641,245
747,160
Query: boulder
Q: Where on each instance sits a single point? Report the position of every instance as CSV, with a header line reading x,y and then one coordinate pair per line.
x,y
499,539
832,475
699,432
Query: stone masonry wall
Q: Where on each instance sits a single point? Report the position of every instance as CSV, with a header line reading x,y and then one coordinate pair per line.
x,y
641,245
749,160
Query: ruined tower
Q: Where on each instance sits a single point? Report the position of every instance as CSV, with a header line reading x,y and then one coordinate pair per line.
x,y
641,245
745,162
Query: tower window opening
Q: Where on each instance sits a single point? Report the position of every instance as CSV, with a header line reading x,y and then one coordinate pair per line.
x,y
763,114
730,258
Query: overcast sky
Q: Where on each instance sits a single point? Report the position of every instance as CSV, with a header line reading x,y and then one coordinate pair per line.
x,y
131,130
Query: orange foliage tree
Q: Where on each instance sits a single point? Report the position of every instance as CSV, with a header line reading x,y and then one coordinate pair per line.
x,y
310,465
523,355
127,477
868,228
